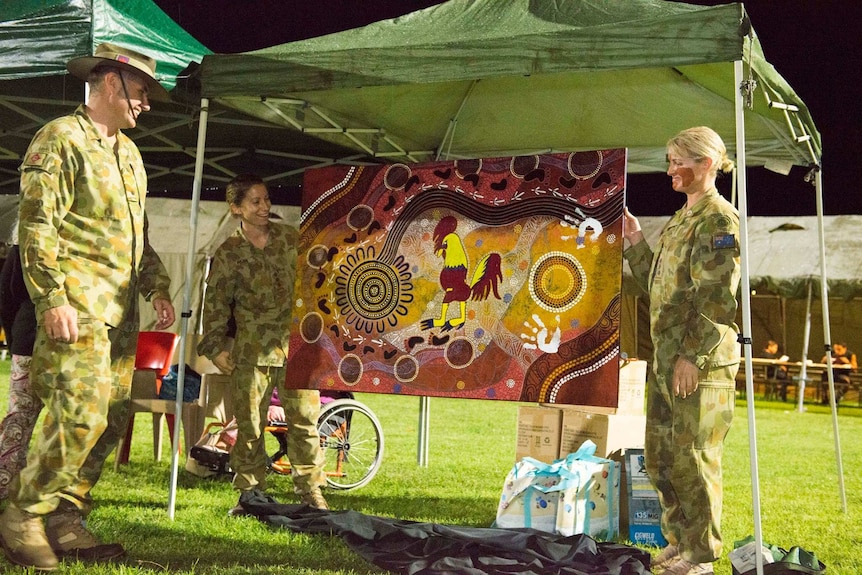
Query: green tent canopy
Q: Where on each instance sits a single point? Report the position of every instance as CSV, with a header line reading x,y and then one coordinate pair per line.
x,y
38,37
484,78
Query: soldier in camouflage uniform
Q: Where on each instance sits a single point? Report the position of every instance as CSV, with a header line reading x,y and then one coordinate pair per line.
x,y
692,279
86,259
252,279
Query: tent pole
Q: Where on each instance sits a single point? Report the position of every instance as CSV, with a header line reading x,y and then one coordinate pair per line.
x,y
827,338
453,123
745,292
187,298
803,371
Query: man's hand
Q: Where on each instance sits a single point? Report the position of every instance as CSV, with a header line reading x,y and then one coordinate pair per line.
x,y
61,323
224,363
684,378
164,313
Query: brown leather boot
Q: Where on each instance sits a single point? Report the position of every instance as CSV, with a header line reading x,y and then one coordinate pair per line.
x,y
24,541
69,537
314,498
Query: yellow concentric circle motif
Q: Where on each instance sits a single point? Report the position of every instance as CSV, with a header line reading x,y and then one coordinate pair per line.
x,y
557,281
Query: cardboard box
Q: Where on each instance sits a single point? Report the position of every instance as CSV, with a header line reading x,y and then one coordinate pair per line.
x,y
538,433
644,508
632,398
638,483
609,432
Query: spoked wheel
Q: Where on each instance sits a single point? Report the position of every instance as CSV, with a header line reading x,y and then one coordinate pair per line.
x,y
352,441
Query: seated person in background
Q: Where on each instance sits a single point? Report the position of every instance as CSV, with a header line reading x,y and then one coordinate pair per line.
x,y
840,356
776,373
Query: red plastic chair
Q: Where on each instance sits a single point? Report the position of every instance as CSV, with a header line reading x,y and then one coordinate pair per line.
x,y
154,353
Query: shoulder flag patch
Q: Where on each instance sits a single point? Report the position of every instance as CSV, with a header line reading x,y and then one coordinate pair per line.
x,y
723,241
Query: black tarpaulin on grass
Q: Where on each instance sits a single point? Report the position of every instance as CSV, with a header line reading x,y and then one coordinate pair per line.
x,y
416,548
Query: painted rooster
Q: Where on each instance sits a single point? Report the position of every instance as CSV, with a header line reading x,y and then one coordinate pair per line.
x,y
453,276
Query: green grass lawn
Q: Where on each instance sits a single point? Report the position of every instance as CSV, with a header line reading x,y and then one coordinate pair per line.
x,y
472,446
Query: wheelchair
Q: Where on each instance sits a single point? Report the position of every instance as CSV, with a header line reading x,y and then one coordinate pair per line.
x,y
350,436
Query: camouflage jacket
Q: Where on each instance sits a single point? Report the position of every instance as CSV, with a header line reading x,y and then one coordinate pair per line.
x,y
692,280
82,230
256,286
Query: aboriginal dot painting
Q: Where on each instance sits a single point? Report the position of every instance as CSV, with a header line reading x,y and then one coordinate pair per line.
x,y
489,278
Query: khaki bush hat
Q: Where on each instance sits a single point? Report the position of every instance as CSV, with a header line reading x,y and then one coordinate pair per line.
x,y
112,55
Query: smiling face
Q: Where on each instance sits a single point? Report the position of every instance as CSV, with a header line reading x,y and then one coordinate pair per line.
x,y
128,98
688,175
254,208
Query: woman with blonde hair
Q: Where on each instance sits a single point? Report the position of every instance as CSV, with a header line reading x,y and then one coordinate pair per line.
x,y
691,277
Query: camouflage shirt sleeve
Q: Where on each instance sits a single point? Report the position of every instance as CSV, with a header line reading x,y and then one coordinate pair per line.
x,y
640,258
153,280
46,197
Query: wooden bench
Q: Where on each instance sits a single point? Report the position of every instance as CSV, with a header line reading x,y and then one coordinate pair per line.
x,y
770,388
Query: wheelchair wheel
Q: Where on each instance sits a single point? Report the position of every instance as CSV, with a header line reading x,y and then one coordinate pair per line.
x,y
352,441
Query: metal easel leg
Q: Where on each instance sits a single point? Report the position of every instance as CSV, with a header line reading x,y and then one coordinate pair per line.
x,y
424,418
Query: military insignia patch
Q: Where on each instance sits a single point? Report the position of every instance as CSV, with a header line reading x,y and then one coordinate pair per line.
x,y
722,222
34,158
723,241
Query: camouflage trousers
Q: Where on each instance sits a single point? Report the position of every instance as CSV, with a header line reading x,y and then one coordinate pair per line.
x,y
17,427
85,387
684,444
252,390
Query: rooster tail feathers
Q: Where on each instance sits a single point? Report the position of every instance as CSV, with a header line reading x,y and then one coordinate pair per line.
x,y
487,277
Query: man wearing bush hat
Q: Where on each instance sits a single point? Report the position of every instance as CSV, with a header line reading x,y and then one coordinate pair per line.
x,y
86,257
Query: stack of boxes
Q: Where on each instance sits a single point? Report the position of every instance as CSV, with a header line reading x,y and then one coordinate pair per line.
x,y
550,432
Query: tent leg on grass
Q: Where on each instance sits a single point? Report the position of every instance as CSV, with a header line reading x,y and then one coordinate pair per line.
x,y
824,298
745,291
187,298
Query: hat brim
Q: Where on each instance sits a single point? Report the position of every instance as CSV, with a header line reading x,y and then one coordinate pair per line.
x,y
82,66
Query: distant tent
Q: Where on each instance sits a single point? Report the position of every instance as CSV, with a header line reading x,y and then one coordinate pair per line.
x,y
784,263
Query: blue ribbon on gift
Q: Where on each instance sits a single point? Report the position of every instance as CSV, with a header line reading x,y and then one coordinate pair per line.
x,y
566,469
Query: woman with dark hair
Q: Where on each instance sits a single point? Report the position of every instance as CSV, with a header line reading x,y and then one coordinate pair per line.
x,y
251,280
